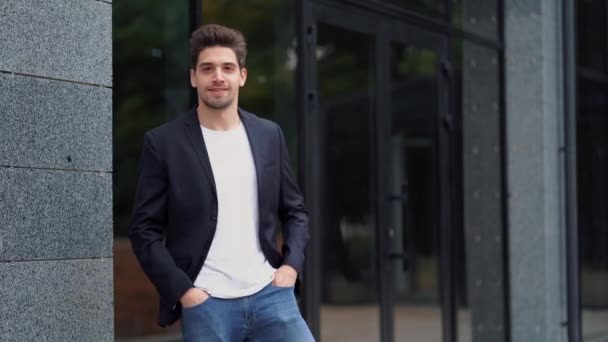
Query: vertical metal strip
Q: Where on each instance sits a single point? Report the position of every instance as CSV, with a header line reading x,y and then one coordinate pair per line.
x,y
445,167
506,276
450,303
381,120
308,174
572,254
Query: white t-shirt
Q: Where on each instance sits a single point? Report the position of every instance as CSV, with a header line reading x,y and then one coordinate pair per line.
x,y
235,266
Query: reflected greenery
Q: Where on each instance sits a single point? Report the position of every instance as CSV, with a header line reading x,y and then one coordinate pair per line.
x,y
269,27
150,84
151,74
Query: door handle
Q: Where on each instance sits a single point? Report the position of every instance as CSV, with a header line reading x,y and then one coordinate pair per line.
x,y
399,256
401,196
397,198
396,255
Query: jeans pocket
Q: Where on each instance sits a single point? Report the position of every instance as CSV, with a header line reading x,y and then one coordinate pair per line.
x,y
197,306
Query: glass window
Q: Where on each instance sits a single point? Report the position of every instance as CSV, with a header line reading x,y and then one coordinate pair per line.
x,y
269,27
592,44
414,223
345,69
592,168
151,85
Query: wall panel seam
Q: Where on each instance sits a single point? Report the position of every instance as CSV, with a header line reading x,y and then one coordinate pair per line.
x,y
96,85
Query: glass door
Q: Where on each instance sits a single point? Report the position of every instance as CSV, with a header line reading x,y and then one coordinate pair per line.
x,y
414,192
346,88
375,153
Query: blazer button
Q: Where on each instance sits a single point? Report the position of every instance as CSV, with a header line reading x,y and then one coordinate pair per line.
x,y
213,218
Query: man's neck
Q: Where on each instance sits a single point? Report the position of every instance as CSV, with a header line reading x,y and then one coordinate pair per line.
x,y
218,119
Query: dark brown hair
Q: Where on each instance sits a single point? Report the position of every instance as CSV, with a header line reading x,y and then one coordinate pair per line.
x,y
217,35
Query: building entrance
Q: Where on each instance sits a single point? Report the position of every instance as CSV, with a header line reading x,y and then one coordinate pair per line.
x,y
377,137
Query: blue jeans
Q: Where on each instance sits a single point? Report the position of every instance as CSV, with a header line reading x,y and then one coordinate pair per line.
x,y
271,314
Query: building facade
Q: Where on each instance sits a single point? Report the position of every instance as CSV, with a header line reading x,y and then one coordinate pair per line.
x,y
451,153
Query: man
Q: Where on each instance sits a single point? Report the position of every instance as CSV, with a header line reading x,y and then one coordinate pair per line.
x,y
214,189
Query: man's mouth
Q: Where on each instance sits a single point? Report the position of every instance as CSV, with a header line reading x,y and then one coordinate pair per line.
x,y
217,90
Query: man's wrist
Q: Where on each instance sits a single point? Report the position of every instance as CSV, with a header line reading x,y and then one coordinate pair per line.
x,y
290,269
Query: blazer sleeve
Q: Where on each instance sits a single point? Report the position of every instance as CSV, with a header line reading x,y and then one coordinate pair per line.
x,y
292,213
147,227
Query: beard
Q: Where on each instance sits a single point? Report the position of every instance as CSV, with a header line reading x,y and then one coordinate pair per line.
x,y
217,103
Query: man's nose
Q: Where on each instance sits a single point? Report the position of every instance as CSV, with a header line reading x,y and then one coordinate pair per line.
x,y
218,75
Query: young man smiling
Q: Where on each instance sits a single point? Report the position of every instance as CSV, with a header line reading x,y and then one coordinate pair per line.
x,y
214,189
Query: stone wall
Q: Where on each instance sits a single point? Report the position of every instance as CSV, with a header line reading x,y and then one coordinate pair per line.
x,y
56,170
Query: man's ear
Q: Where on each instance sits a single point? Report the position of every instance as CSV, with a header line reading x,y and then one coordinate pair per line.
x,y
192,73
243,76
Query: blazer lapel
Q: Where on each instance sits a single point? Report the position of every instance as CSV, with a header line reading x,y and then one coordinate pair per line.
x,y
254,135
195,136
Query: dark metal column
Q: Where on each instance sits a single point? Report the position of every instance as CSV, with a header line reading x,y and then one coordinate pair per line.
x,y
381,123
572,259
309,167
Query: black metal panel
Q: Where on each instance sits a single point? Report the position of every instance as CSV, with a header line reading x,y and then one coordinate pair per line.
x,y
382,124
307,102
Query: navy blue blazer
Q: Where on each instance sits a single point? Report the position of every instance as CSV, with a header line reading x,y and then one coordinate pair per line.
x,y
175,210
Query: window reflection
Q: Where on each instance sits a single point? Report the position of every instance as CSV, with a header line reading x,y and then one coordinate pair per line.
x,y
348,286
150,87
592,166
269,27
414,223
592,156
592,28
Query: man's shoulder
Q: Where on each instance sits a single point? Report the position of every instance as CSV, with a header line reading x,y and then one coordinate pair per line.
x,y
171,127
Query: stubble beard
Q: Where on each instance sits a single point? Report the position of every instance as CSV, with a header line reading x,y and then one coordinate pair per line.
x,y
217,104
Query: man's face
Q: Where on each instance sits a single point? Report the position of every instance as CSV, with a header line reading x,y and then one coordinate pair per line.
x,y
217,77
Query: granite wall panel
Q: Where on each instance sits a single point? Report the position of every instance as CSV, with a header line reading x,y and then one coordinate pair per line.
x,y
68,300
55,124
64,39
46,214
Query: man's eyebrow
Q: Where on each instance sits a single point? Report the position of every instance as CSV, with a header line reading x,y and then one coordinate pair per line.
x,y
210,63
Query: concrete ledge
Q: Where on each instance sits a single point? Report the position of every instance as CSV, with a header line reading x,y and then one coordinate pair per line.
x,y
54,124
66,300
54,214
64,39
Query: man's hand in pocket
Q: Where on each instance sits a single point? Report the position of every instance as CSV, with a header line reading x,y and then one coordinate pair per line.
x,y
193,297
285,276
